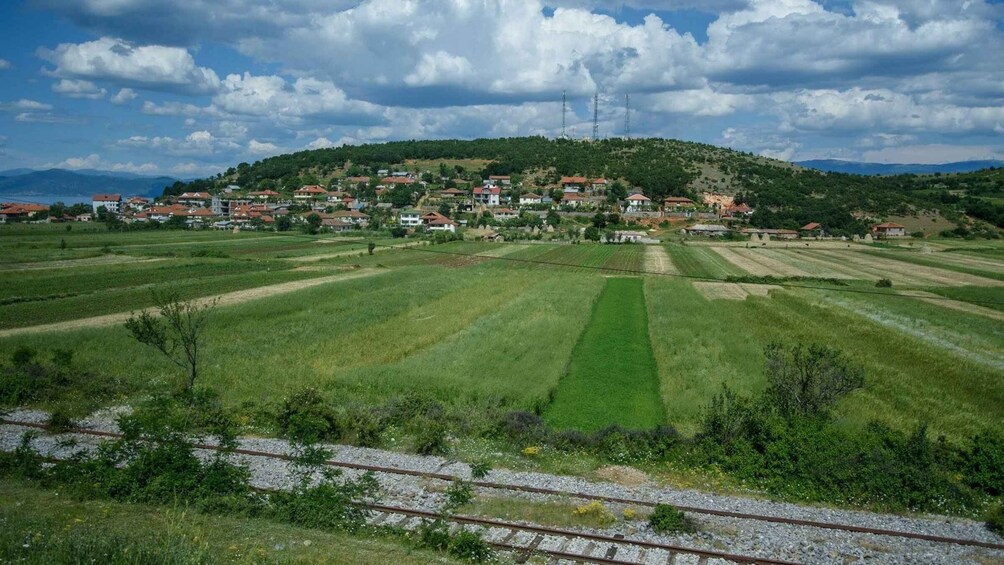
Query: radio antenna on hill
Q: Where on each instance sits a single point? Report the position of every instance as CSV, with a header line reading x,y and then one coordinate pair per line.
x,y
564,110
596,115
627,116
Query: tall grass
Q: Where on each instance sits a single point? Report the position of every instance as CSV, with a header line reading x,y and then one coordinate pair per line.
x,y
611,376
701,262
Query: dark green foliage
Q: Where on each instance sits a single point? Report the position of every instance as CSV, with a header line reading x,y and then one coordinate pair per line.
x,y
808,381
666,519
32,379
770,279
328,505
995,519
470,546
884,283
458,494
480,470
983,465
307,417
433,534
430,436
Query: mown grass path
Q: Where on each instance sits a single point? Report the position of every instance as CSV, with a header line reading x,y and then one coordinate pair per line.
x,y
612,376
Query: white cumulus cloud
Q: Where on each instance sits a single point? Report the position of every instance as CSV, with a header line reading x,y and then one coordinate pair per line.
x,y
78,89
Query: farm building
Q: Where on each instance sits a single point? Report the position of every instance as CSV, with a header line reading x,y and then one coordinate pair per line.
x,y
773,233
889,229
677,202
452,193
709,230
812,229
503,214
629,236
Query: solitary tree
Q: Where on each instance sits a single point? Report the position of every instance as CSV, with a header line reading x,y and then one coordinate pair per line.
x,y
177,332
808,381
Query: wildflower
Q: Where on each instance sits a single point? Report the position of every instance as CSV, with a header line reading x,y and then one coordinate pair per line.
x,y
531,451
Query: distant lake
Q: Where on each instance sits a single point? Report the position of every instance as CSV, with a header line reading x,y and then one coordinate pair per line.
x,y
41,199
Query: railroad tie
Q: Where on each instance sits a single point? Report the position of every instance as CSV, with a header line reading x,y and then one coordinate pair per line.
x,y
527,553
611,551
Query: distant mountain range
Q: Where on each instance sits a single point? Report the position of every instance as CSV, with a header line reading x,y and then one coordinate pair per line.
x,y
853,167
60,182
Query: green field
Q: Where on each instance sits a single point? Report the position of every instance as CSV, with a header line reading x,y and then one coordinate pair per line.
x,y
611,377
537,328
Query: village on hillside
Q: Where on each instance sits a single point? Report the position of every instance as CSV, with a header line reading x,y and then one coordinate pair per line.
x,y
499,209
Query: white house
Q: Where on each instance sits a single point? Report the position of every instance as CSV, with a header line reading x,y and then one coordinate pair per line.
x,y
503,214
637,203
442,224
488,195
629,236
194,198
530,198
572,199
111,202
410,218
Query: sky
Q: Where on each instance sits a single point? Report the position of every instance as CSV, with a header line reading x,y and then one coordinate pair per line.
x,y
190,88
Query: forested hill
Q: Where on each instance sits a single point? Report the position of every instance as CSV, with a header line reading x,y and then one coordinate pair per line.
x,y
783,193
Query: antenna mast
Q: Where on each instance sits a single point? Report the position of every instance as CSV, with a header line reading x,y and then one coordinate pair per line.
x,y
564,110
596,115
627,116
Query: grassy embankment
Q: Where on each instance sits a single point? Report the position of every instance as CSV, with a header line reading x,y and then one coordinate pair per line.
x,y
40,527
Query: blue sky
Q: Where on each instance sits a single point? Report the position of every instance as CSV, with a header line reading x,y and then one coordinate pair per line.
x,y
191,88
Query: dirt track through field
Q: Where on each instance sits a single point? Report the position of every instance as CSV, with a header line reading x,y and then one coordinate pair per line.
x,y
658,261
733,291
228,299
347,253
85,262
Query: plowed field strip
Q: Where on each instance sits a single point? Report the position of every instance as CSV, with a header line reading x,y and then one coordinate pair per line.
x,y
658,261
744,263
910,273
779,267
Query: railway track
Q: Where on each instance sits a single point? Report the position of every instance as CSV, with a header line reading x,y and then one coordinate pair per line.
x,y
571,494
525,541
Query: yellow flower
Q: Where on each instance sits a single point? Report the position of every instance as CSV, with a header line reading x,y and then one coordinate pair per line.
x,y
629,514
531,451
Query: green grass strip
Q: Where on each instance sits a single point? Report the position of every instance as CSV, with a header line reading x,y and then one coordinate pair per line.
x,y
612,376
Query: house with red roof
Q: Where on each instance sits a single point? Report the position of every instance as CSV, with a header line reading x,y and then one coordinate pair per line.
x,y
812,229
575,183
889,229
14,212
309,192
194,198
677,202
572,199
110,202
530,198
637,203
266,194
488,195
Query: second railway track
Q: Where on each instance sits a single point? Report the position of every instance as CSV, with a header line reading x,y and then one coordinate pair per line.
x,y
572,494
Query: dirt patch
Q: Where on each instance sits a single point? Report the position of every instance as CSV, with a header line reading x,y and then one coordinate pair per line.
x,y
622,475
658,261
501,251
733,291
227,299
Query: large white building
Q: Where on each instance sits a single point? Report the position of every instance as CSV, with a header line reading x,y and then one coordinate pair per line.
x,y
110,202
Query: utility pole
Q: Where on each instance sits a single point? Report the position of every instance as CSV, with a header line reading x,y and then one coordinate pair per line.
x,y
627,116
596,115
564,110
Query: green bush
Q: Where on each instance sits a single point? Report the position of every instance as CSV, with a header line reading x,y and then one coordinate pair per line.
x,y
666,519
884,283
458,494
470,546
995,520
433,535
984,464
307,417
430,436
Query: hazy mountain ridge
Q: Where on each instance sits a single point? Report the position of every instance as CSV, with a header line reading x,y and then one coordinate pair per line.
x,y
864,168
60,182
